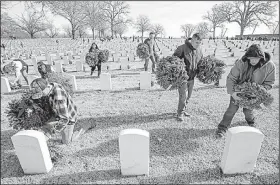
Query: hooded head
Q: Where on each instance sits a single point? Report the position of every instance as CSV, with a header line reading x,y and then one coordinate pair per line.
x,y
255,56
194,42
93,46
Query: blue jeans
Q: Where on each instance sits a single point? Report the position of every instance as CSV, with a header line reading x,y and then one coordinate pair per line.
x,y
183,97
230,112
154,60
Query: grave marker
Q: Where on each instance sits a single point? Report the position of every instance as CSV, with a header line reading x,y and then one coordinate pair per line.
x,y
145,80
134,152
32,151
5,86
105,82
242,147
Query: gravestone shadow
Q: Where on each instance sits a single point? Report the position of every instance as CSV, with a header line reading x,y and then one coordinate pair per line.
x,y
10,166
172,139
194,177
6,141
113,121
84,177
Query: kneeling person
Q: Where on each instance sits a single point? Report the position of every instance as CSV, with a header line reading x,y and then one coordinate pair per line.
x,y
65,111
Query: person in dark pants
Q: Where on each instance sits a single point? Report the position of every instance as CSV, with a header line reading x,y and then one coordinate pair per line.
x,y
255,66
151,44
98,65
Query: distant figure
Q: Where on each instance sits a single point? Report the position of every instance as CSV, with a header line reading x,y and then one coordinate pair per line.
x,y
92,48
151,43
21,69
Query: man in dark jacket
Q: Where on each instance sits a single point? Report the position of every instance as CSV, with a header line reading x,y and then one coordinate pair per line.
x,y
151,43
192,54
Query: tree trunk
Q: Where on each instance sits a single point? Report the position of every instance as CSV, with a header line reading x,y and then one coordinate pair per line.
x,y
92,32
242,28
112,30
73,34
142,36
214,31
32,35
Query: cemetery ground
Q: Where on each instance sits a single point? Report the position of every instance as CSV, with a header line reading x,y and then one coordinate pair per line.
x,y
180,152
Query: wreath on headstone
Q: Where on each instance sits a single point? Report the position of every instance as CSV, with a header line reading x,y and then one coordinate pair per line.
x,y
28,114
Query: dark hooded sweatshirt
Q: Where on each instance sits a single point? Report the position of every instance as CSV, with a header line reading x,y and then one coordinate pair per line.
x,y
191,57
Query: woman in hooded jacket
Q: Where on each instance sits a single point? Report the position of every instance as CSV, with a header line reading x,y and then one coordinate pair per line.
x,y
255,66
92,48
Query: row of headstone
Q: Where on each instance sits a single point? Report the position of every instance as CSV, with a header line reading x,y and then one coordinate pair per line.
x,y
134,145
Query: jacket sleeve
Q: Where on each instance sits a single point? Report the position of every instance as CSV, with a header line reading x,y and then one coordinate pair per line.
x,y
146,41
233,77
179,52
270,78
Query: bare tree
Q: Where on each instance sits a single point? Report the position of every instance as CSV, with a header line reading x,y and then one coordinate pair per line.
x,y
223,31
158,29
32,23
82,31
215,17
71,11
188,29
93,13
203,28
114,13
8,25
121,29
51,30
247,13
142,24
68,30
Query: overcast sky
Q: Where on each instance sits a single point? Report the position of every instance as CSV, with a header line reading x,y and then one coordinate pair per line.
x,y
171,14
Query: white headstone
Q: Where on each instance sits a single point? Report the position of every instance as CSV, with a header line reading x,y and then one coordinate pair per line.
x,y
65,60
58,67
35,66
79,66
32,77
73,82
105,81
134,147
145,80
5,86
223,80
32,151
242,147
48,58
124,62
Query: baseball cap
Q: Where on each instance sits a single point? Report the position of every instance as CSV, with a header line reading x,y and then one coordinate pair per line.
x,y
37,87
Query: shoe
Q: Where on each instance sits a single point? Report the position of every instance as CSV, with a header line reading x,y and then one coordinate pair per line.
x,y
220,133
186,113
252,125
180,117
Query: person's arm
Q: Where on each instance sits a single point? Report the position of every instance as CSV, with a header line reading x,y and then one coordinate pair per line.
x,y
18,68
179,52
146,41
270,78
233,77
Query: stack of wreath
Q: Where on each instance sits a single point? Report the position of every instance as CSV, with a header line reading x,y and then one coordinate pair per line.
x,y
143,51
206,69
171,72
252,96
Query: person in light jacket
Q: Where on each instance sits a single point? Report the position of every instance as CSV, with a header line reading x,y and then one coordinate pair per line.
x,y
255,66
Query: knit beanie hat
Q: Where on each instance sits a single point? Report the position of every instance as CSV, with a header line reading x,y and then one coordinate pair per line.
x,y
255,50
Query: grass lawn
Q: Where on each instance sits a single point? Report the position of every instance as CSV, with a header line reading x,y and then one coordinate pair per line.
x,y
180,152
